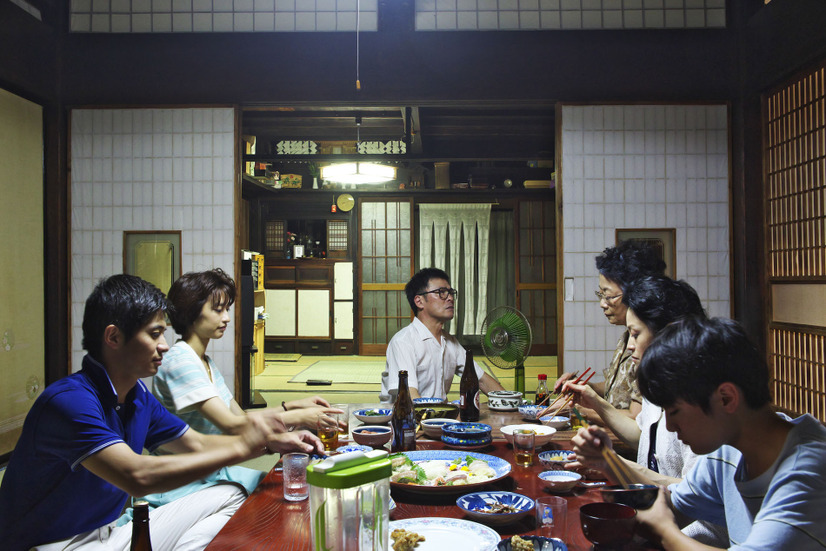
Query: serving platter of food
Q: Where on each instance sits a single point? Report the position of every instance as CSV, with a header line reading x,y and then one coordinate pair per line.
x,y
445,471
437,534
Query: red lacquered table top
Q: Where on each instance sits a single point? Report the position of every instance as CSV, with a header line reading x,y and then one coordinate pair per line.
x,y
267,521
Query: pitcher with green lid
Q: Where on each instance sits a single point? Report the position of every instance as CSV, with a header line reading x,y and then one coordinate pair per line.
x,y
349,502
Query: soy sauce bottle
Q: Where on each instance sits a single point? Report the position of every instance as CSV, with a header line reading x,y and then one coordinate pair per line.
x,y
541,390
140,527
403,419
469,391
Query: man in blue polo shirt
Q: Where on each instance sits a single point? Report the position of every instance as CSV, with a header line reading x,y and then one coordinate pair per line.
x,y
80,453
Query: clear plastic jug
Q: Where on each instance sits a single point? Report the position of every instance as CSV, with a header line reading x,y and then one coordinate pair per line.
x,y
349,502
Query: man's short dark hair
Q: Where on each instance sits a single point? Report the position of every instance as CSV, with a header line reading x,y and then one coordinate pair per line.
x,y
629,261
418,284
191,291
660,300
690,358
122,300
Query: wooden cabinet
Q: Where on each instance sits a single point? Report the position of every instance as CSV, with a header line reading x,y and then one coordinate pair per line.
x,y
310,305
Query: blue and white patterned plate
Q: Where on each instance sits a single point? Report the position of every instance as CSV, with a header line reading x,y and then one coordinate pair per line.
x,y
484,500
353,448
467,443
467,430
500,466
428,401
449,533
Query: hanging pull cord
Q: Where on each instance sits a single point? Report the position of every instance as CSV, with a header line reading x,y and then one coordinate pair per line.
x,y
358,29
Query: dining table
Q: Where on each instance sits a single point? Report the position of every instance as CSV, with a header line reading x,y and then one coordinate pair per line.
x,y
267,521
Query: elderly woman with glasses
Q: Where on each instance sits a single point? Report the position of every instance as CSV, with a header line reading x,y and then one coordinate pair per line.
x,y
619,267
430,355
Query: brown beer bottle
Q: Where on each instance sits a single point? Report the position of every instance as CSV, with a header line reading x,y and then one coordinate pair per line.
x,y
140,527
469,390
403,420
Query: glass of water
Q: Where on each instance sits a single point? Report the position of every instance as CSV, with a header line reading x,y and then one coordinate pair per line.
x,y
295,476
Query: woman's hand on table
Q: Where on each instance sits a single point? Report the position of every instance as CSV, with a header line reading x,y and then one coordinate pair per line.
x,y
306,417
298,441
313,401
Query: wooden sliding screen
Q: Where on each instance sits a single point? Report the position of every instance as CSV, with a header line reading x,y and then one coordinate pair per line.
x,y
795,164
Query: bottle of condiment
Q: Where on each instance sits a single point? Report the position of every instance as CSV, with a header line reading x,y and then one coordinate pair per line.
x,y
469,390
541,390
140,527
403,420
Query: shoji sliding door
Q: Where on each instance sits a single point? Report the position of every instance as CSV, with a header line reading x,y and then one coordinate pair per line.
x,y
795,164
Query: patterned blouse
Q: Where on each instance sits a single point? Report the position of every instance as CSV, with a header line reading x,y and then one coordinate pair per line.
x,y
621,377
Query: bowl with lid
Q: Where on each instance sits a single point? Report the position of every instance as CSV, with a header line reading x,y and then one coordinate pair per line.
x,y
504,400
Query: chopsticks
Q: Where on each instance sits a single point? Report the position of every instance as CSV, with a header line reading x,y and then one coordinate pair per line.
x,y
619,469
558,397
570,395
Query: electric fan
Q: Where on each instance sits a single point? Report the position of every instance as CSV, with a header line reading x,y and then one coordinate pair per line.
x,y
506,340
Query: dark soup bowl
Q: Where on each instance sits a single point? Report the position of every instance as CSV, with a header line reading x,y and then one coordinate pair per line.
x,y
607,525
638,496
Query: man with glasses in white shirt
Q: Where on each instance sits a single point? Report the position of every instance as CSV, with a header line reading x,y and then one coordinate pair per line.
x,y
429,354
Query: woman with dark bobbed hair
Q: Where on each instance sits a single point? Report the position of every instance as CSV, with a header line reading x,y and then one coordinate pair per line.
x,y
189,385
619,268
652,303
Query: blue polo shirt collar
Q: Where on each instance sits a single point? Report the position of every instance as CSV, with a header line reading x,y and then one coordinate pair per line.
x,y
97,374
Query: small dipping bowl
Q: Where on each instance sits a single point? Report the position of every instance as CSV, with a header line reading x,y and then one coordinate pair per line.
x,y
560,482
539,544
433,427
607,525
558,422
375,436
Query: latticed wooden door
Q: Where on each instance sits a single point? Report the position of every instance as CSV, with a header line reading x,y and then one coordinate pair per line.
x,y
385,265
795,181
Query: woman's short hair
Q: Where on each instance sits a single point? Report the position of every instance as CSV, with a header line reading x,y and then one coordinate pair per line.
x,y
660,300
191,291
629,261
690,358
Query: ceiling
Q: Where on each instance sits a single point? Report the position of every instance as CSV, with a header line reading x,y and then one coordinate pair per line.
x,y
431,131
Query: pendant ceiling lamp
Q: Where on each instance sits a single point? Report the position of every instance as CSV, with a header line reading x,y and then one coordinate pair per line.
x,y
358,172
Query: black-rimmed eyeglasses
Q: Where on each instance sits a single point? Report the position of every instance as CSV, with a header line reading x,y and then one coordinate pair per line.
x,y
602,296
442,292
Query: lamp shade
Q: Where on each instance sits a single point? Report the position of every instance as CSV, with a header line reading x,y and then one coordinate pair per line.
x,y
358,173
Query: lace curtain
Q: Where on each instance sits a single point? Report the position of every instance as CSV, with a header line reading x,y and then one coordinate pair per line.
x,y
452,233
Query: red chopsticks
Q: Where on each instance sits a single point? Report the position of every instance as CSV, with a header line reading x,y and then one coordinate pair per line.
x,y
570,395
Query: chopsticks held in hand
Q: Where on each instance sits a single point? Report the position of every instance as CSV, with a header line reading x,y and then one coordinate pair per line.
x,y
615,463
569,395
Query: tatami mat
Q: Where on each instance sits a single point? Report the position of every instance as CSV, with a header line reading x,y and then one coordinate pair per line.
x,y
343,372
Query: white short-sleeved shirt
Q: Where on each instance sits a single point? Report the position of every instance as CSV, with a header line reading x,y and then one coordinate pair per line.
x,y
430,363
182,382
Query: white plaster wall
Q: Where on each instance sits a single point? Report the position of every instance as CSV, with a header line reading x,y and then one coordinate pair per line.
x,y
150,169
641,166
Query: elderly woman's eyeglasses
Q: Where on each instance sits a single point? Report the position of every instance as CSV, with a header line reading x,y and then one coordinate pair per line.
x,y
601,296
442,292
